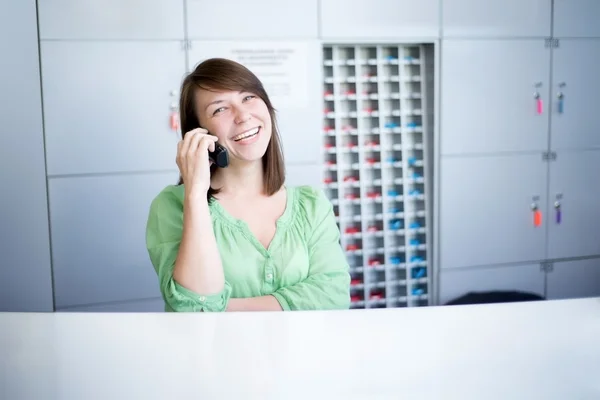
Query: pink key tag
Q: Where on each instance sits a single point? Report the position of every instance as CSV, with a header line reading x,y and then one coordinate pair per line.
x,y
540,106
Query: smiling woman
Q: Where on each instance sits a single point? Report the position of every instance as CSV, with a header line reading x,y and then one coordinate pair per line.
x,y
238,238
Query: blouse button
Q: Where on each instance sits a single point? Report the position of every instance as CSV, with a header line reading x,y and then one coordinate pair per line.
x,y
269,276
202,298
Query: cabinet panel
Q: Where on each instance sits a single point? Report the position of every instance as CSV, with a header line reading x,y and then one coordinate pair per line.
x,y
111,19
574,279
524,278
25,271
575,177
107,105
136,306
487,96
485,210
575,75
576,18
506,18
364,19
290,72
258,19
98,236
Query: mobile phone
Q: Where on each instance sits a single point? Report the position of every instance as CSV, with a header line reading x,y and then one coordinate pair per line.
x,y
220,156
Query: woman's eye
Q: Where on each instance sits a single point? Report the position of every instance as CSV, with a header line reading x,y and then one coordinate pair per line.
x,y
249,97
218,110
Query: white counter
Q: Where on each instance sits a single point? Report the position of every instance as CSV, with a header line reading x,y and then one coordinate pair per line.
x,y
538,350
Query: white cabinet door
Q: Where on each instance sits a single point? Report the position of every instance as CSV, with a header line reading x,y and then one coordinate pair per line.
x,y
257,19
111,19
575,184
487,96
98,237
527,278
485,210
370,19
576,18
493,19
107,105
576,76
574,279
291,74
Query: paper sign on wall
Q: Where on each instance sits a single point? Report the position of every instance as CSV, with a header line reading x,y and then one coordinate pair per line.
x,y
281,66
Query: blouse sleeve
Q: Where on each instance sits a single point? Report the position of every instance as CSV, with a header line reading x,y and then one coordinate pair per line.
x,y
327,285
163,237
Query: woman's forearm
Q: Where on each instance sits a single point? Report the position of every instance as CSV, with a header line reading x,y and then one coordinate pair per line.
x,y
262,303
198,265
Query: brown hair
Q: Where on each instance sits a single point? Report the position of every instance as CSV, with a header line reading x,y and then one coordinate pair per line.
x,y
224,74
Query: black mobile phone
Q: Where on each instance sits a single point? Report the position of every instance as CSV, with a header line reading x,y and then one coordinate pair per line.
x,y
220,156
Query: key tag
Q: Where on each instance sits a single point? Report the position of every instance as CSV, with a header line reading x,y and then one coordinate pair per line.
x,y
174,118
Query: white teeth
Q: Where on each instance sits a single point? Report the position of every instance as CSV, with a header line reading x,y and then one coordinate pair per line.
x,y
246,134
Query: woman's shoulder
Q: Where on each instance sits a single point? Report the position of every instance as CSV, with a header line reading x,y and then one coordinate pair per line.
x,y
171,196
312,202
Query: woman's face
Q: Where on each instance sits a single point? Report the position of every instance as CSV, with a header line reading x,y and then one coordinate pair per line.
x,y
240,120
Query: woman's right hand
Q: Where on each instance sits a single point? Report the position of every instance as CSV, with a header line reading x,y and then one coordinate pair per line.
x,y
193,161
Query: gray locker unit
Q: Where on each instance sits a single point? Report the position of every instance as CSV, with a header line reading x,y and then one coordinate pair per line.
x,y
25,270
377,132
520,129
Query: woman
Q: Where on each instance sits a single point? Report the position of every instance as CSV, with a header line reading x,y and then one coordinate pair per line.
x,y
236,238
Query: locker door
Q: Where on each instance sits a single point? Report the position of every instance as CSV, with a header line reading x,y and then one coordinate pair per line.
x,y
575,75
458,282
487,96
98,236
370,19
575,184
257,19
576,18
111,19
485,210
574,279
107,105
493,19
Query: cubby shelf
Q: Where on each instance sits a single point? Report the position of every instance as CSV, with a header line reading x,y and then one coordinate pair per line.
x,y
376,170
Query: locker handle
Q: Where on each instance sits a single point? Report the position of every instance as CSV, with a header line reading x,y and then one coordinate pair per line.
x,y
558,212
561,98
539,104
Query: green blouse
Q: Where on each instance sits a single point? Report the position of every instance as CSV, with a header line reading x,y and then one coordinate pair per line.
x,y
304,267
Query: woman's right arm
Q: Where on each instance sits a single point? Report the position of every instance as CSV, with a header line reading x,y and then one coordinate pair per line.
x,y
198,265
180,238
184,242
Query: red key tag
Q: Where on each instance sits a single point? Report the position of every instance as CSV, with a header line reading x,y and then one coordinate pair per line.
x,y
537,218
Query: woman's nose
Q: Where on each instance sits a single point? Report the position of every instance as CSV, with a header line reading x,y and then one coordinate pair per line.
x,y
241,116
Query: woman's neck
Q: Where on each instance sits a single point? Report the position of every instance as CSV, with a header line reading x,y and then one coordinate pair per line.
x,y
239,180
